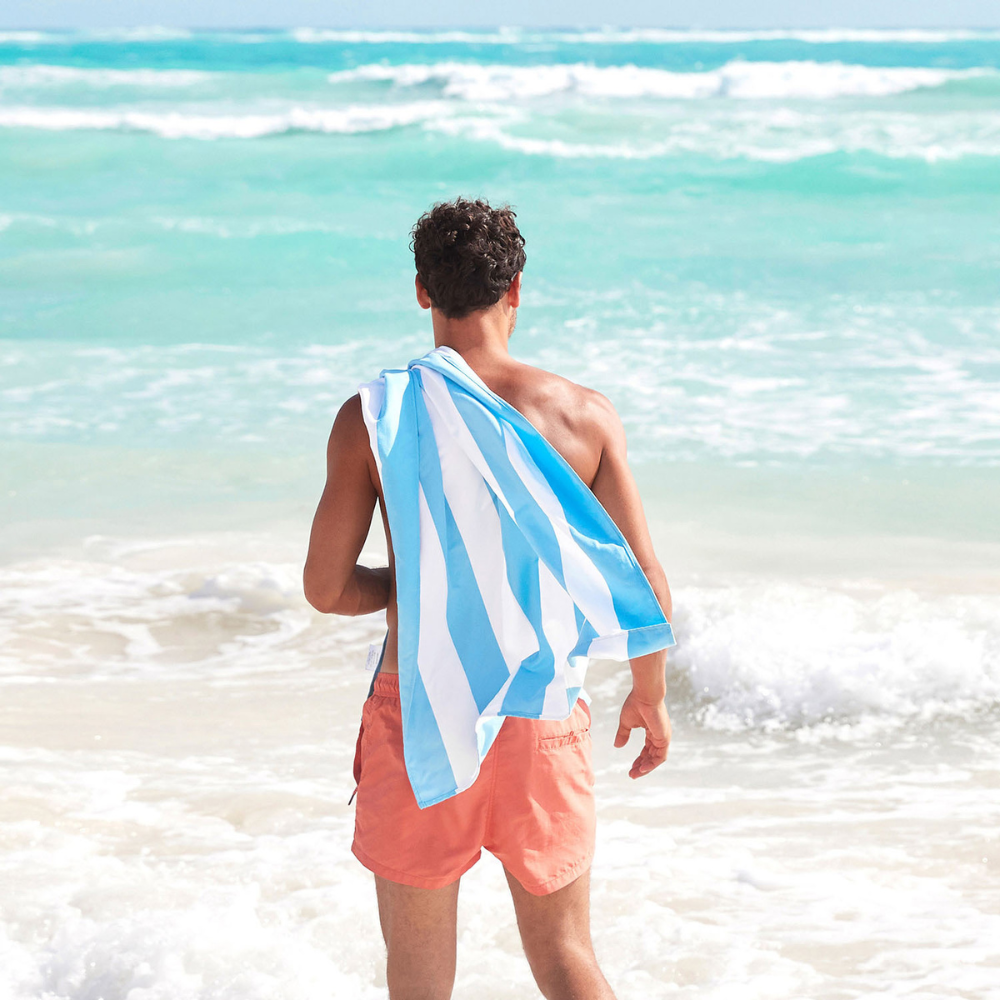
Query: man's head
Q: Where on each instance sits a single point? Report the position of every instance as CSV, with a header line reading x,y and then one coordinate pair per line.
x,y
467,254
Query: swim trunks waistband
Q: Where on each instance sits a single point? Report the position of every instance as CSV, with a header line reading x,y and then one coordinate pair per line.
x,y
386,685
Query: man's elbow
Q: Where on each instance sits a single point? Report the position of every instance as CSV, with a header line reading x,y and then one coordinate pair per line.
x,y
321,595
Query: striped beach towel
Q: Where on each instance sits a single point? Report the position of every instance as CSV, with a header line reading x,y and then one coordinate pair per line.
x,y
509,572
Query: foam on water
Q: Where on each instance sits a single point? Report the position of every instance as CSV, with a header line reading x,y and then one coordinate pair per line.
x,y
260,898
175,605
218,896
170,837
182,125
770,112
738,79
781,654
776,136
175,822
760,654
899,384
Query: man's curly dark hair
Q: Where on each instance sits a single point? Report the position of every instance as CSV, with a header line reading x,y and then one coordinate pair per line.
x,y
467,254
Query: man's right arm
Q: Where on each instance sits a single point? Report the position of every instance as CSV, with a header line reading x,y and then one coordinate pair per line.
x,y
333,580
615,487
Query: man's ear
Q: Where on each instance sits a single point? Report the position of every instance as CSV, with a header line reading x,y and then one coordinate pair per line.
x,y
514,292
422,297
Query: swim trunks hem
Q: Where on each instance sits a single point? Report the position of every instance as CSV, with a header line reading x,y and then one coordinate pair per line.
x,y
404,878
560,881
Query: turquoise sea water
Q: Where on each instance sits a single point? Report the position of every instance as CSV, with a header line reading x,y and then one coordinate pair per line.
x,y
777,252
771,249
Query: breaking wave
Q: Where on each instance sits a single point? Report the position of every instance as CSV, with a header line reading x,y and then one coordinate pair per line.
x,y
784,654
185,125
762,654
738,79
781,136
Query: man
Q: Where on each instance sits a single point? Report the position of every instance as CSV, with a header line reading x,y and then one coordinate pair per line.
x,y
532,802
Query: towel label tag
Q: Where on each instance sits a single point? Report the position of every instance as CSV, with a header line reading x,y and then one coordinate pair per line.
x,y
374,650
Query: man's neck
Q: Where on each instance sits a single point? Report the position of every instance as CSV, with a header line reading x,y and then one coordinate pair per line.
x,y
481,337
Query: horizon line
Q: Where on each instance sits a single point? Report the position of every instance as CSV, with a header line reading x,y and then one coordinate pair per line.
x,y
501,27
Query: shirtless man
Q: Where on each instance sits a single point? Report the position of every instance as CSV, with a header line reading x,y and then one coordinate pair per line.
x,y
469,262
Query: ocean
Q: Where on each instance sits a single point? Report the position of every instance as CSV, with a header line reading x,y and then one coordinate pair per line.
x,y
776,252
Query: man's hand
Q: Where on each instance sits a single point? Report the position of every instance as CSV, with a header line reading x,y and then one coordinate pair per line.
x,y
653,717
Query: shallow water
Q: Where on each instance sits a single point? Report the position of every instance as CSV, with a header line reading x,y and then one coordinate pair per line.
x,y
178,728
776,252
189,838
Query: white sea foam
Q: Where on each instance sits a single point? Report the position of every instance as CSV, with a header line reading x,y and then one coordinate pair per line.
x,y
41,75
185,607
902,382
780,654
755,654
205,853
779,135
737,79
192,125
175,820
766,134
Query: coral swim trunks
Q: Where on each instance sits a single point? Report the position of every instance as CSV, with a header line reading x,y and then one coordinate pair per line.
x,y
532,805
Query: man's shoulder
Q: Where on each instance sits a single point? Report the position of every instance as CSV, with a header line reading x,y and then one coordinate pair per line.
x,y
577,402
350,419
349,431
579,422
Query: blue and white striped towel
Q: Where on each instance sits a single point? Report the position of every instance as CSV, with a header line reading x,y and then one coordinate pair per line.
x,y
509,572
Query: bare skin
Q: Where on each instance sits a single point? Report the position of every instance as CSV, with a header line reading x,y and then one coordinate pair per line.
x,y
582,425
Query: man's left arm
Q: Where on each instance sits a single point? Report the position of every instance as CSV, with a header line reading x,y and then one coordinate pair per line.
x,y
332,579
615,487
